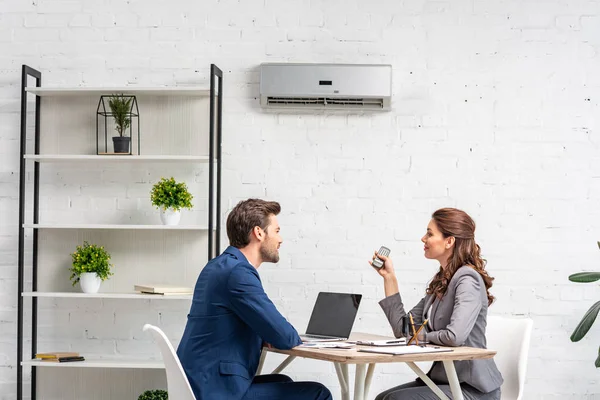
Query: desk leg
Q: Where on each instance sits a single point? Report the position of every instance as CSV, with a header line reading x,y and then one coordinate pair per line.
x,y
343,378
369,379
453,380
359,381
284,364
261,362
428,381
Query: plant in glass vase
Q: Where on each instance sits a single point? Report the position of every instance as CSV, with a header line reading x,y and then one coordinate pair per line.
x,y
90,267
120,108
170,197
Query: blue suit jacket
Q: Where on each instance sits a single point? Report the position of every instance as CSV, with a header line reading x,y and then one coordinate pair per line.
x,y
230,317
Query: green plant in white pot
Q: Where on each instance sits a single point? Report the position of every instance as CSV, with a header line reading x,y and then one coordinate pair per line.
x,y
120,108
590,316
170,197
90,267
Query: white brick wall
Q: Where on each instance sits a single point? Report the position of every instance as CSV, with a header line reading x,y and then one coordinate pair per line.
x,y
494,111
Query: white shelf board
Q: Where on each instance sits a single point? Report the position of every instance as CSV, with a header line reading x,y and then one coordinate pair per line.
x,y
127,90
125,158
124,226
98,363
131,295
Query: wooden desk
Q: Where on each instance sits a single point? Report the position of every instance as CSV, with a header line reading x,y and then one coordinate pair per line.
x,y
365,364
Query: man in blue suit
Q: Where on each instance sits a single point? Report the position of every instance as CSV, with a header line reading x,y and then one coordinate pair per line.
x,y
231,317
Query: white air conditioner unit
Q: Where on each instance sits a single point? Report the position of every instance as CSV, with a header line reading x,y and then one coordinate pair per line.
x,y
326,86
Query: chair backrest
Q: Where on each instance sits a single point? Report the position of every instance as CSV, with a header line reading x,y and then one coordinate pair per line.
x,y
178,386
510,337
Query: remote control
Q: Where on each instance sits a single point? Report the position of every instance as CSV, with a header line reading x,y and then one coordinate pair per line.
x,y
384,251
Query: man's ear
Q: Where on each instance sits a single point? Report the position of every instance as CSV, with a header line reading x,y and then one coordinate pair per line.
x,y
258,233
450,241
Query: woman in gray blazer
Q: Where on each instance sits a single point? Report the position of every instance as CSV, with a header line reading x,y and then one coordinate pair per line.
x,y
455,304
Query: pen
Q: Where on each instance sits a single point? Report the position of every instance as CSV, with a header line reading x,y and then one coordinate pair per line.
x,y
412,324
418,331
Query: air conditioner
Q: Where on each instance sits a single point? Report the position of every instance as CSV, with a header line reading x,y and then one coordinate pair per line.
x,y
326,86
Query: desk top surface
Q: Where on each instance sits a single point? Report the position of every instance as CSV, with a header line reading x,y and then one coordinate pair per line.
x,y
353,356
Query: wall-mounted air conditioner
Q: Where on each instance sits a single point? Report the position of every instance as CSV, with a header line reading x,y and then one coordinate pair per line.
x,y
326,86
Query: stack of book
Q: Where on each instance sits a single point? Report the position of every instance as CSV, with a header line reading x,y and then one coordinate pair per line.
x,y
165,290
59,357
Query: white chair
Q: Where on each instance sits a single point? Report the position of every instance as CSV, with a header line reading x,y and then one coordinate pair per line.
x,y
510,337
178,386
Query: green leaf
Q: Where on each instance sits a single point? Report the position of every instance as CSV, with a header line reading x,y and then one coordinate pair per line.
x,y
585,277
597,363
598,244
586,323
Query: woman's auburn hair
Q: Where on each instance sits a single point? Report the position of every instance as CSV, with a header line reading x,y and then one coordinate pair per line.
x,y
458,224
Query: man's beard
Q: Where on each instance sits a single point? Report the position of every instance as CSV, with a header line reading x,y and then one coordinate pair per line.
x,y
268,255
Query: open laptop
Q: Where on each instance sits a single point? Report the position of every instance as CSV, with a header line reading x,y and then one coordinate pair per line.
x,y
332,317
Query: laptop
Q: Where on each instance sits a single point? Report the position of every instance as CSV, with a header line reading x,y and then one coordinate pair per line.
x,y
332,317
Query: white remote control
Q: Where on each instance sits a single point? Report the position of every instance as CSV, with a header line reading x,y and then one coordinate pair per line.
x,y
384,251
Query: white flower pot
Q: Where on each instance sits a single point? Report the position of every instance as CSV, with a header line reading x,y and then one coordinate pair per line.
x,y
89,282
170,216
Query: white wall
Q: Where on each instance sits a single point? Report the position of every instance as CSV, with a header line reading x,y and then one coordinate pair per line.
x,y
494,109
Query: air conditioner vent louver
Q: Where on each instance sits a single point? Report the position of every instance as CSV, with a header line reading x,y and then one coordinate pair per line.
x,y
326,102
326,86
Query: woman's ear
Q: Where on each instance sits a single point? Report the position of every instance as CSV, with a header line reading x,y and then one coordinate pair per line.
x,y
450,242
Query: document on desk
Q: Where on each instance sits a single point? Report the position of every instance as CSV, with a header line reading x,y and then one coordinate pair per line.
x,y
330,345
387,342
397,350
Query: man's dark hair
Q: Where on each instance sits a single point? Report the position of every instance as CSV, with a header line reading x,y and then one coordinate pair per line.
x,y
245,216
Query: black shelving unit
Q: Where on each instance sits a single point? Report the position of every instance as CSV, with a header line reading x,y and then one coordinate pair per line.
x,y
214,203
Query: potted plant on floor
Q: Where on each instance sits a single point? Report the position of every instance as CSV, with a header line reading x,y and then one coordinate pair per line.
x,y
590,316
170,197
120,107
90,267
154,395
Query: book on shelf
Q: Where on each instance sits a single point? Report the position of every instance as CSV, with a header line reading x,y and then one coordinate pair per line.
x,y
65,359
161,289
59,357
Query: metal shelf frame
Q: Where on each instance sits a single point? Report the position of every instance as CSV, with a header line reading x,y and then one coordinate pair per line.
x,y
214,194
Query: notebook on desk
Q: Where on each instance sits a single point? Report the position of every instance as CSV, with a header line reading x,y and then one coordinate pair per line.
x,y
397,350
332,317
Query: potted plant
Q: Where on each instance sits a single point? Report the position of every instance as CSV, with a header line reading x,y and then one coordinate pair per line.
x,y
120,107
154,395
90,267
170,197
590,316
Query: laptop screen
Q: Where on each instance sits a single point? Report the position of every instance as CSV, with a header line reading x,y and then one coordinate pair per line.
x,y
334,314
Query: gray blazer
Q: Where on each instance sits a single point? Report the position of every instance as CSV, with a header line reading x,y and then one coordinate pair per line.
x,y
459,318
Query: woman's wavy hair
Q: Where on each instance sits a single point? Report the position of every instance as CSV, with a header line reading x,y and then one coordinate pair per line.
x,y
457,223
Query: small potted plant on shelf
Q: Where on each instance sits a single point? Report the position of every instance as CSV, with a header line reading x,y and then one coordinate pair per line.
x,y
170,197
154,395
90,267
120,107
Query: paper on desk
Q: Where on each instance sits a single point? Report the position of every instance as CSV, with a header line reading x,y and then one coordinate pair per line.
x,y
325,345
386,342
396,350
